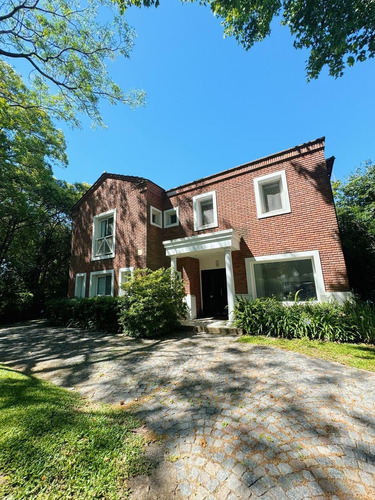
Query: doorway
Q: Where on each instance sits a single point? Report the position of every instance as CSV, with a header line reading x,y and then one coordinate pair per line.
x,y
214,293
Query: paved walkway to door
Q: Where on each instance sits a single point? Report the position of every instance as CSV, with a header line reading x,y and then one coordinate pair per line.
x,y
238,421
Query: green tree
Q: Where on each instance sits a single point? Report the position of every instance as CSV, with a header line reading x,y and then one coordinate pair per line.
x,y
34,206
67,44
337,33
355,204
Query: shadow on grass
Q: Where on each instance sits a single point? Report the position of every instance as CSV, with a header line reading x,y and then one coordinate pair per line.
x,y
54,444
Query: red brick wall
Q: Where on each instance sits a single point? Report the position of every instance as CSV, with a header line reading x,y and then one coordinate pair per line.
x,y
311,225
156,257
190,271
129,199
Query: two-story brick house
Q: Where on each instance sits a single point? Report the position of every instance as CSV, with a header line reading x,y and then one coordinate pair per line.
x,y
265,228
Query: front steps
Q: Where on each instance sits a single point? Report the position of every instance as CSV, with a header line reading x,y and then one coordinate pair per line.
x,y
211,325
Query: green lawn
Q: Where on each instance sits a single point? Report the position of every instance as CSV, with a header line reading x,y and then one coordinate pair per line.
x,y
55,445
356,355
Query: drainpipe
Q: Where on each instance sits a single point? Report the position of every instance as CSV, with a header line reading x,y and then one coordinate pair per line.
x,y
230,282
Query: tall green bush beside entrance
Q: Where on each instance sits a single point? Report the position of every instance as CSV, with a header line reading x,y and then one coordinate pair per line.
x,y
153,303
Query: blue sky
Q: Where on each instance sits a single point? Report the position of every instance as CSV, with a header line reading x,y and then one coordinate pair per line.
x,y
211,105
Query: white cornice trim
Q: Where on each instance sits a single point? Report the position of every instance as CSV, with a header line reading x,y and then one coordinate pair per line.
x,y
217,240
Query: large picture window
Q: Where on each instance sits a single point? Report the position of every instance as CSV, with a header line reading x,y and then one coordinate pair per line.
x,y
286,276
104,235
285,279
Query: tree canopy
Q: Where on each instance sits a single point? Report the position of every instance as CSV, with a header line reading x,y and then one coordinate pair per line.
x,y
355,203
67,44
35,208
337,33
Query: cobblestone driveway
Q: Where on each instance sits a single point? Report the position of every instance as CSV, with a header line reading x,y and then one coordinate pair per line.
x,y
239,421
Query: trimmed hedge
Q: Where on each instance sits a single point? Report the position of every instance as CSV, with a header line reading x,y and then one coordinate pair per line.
x,y
96,313
354,321
152,306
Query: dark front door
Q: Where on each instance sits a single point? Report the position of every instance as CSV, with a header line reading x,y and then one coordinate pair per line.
x,y
214,293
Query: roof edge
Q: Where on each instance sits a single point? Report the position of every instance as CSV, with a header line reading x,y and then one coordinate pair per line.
x,y
284,152
106,175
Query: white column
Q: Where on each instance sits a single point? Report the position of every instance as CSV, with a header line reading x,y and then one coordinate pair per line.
x,y
173,266
230,282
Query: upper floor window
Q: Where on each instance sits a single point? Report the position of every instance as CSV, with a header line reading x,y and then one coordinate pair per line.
x,y
171,217
271,195
156,217
103,245
205,211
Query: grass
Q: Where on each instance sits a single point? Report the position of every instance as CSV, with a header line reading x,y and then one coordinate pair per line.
x,y
55,445
356,355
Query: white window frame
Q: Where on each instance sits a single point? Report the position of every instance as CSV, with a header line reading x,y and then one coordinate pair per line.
x,y
316,265
259,182
197,200
93,281
122,270
169,212
95,228
154,210
78,276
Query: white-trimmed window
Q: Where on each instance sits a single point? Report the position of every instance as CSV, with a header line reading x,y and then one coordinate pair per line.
x,y
156,217
171,217
271,195
286,276
101,283
205,211
104,230
80,285
125,274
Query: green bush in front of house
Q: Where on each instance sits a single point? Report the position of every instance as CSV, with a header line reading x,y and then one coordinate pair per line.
x,y
153,303
353,321
96,313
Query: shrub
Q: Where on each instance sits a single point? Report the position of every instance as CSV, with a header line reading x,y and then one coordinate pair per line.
x,y
96,313
354,321
153,303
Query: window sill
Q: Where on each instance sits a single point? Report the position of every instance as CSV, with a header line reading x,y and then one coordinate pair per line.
x,y
207,226
274,213
102,257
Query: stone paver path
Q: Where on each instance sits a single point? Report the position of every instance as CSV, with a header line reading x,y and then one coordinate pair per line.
x,y
239,421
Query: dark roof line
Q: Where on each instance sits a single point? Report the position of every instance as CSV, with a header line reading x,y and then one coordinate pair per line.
x,y
251,163
141,180
106,175
329,163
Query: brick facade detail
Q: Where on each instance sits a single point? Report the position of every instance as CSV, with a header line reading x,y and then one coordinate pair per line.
x,y
310,225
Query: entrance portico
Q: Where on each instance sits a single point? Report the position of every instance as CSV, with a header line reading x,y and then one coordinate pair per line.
x,y
214,252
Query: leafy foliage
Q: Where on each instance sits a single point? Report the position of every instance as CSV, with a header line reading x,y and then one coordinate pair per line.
x,y
35,220
354,321
55,445
67,44
355,204
337,33
153,303
96,313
